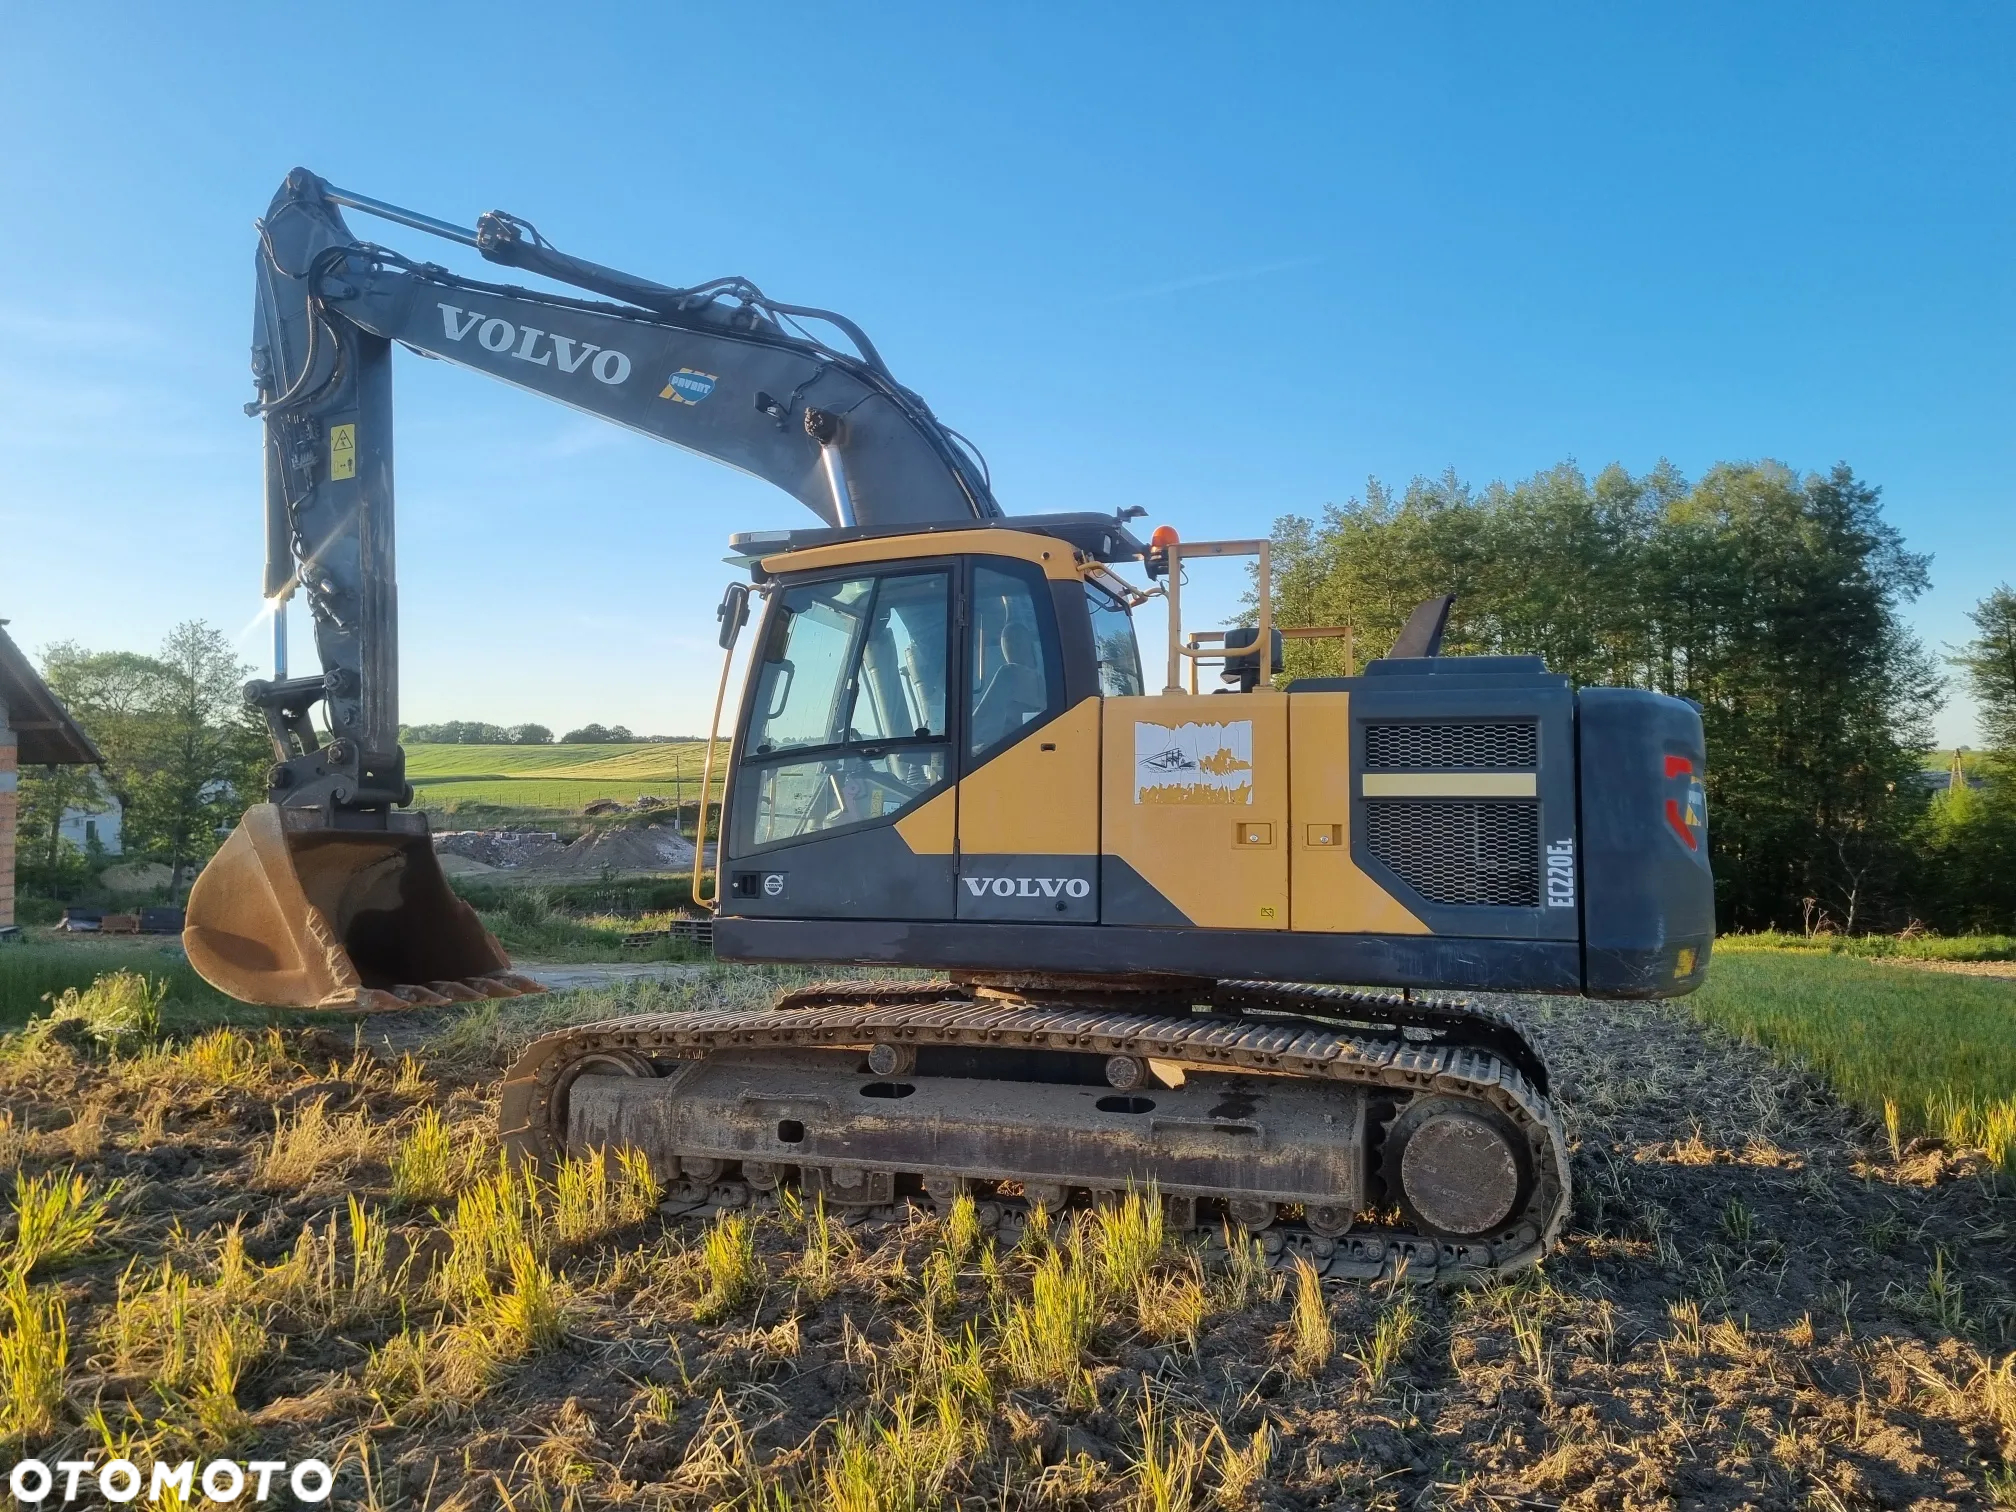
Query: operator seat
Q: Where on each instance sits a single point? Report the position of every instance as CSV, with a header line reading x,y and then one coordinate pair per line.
x,y
1016,692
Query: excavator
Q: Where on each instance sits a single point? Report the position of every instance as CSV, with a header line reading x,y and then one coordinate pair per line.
x,y
1185,940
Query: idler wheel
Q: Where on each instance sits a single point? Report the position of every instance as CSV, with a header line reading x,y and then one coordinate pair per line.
x,y
1458,1170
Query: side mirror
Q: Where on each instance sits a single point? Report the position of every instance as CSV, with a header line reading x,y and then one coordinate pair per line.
x,y
733,613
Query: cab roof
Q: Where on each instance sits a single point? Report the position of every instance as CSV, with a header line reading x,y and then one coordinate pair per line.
x,y
1102,537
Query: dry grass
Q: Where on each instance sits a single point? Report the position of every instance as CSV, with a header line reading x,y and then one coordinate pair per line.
x,y
425,1166
34,1357
121,1010
504,1321
1171,1306
1168,1467
57,1217
902,1458
593,1197
1392,1333
342,1274
1758,1302
1312,1338
1043,1339
827,1247
729,1271
309,1142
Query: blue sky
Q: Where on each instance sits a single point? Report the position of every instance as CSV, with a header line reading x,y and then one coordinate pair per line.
x,y
1222,262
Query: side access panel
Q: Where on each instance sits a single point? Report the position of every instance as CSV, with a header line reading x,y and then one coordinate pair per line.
x,y
1331,893
1194,815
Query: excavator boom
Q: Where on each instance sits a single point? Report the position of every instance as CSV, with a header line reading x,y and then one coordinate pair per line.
x,y
719,369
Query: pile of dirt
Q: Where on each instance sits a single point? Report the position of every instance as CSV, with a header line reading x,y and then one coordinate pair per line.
x,y
626,852
504,850
135,877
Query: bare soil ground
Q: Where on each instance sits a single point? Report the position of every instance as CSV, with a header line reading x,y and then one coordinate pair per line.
x,y
2005,970
1758,1304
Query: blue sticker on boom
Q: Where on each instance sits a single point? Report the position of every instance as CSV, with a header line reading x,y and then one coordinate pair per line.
x,y
688,386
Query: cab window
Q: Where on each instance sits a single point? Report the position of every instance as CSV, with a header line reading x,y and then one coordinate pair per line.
x,y
848,724
1114,644
1016,672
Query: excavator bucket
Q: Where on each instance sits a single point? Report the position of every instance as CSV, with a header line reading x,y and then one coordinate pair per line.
x,y
340,919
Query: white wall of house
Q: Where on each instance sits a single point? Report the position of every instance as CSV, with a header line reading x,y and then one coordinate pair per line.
x,y
101,820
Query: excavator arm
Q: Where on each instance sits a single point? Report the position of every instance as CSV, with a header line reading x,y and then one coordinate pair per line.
x,y
327,890
712,369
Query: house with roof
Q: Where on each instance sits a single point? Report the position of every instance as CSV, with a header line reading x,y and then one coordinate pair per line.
x,y
35,730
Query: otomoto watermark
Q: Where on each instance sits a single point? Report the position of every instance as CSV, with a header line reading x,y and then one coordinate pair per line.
x,y
36,1482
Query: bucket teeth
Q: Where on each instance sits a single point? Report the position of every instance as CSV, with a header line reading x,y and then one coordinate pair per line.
x,y
457,992
477,989
367,1000
420,997
508,984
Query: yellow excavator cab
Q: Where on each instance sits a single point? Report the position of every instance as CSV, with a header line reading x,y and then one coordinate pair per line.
x,y
339,919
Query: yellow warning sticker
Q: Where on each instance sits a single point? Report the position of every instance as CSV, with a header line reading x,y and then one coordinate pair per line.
x,y
342,452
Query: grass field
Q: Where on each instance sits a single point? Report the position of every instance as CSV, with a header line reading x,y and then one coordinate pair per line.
x,y
29,972
1921,1050
1977,947
534,926
508,784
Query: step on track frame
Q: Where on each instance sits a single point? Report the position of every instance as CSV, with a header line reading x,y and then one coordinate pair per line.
x,y
1468,1064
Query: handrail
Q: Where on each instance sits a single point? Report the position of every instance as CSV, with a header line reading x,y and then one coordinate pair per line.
x,y
1173,576
1199,651
706,787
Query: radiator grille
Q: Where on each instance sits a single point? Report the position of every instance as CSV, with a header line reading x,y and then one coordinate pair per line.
x,y
1452,745
1460,852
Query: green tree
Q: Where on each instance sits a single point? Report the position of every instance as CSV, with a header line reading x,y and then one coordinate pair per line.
x,y
109,693
1988,665
1971,832
455,732
1771,601
207,749
182,752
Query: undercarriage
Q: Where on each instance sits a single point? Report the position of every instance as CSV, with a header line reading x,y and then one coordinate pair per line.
x,y
1361,1132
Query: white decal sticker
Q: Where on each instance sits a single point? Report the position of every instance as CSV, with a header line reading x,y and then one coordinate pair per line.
x,y
1561,874
1193,763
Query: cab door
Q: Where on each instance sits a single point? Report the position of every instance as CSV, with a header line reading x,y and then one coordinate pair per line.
x,y
1028,815
845,745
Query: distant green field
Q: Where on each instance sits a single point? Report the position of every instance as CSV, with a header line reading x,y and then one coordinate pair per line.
x,y
1925,1049
550,780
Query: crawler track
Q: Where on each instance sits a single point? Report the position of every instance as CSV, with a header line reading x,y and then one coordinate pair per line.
x,y
1377,1053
